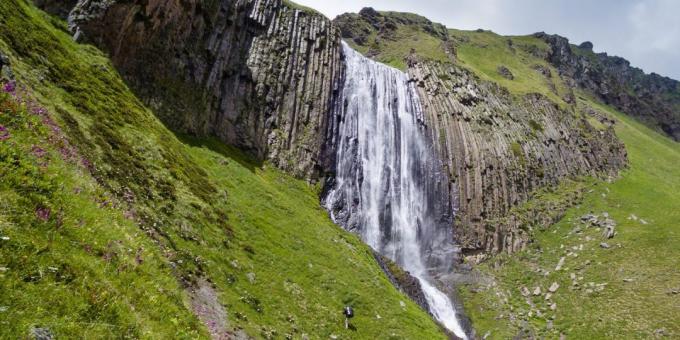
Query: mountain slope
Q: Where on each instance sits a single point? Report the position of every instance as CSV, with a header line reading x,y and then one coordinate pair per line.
x,y
501,142
620,292
238,244
626,288
639,298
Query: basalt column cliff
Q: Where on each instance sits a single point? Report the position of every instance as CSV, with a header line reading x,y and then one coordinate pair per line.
x,y
259,75
266,75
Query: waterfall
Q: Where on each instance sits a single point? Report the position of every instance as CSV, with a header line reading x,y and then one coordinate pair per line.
x,y
389,186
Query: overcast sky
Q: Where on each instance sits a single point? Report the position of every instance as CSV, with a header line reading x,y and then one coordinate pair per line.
x,y
646,32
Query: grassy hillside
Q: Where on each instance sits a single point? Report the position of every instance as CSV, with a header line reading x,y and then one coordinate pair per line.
x,y
112,225
397,36
483,52
630,289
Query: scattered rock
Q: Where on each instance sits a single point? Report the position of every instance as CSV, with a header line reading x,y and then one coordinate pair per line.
x,y
537,291
545,71
643,222
548,296
628,280
604,245
40,333
661,332
554,287
505,72
560,263
402,304
5,70
525,291
633,217
251,277
609,232
553,306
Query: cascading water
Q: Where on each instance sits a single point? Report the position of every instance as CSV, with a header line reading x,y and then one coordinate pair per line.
x,y
389,187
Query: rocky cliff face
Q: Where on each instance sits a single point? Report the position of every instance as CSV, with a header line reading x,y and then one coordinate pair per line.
x,y
501,149
263,76
498,148
651,98
257,74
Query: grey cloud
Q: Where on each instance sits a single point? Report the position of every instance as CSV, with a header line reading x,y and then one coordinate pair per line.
x,y
646,32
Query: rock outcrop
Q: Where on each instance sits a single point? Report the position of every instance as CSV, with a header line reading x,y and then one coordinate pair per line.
x,y
501,149
498,149
264,77
257,74
651,98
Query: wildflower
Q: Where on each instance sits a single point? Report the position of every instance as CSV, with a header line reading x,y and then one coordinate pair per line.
x,y
38,151
4,134
43,213
9,87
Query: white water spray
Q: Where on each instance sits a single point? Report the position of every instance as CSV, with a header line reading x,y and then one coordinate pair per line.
x,y
388,179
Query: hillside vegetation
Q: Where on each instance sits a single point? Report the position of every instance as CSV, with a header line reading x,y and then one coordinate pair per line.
x,y
113,226
624,287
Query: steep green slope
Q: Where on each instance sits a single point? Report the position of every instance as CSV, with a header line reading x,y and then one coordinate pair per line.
x,y
627,290
70,261
145,228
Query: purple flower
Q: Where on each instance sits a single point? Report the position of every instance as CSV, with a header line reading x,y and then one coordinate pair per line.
x,y
9,87
38,151
4,134
43,213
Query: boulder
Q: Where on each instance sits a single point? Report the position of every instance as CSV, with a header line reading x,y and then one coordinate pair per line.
x,y
505,72
554,287
586,45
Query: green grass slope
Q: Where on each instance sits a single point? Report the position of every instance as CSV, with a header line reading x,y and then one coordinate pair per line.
x,y
630,290
483,52
109,239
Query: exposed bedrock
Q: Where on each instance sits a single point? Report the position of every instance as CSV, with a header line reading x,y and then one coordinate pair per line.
x,y
651,98
264,77
499,149
257,74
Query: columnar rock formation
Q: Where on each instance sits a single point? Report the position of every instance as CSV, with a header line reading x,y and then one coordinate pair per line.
x,y
264,76
257,74
498,148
